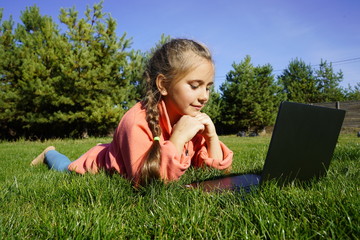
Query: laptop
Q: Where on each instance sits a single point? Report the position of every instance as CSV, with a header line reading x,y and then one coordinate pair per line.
x,y
301,148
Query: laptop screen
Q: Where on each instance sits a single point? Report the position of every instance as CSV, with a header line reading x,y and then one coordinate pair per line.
x,y
302,142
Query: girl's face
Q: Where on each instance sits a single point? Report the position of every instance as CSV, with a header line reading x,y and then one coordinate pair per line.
x,y
188,95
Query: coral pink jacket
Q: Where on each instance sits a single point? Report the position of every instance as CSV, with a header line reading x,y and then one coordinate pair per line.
x,y
131,141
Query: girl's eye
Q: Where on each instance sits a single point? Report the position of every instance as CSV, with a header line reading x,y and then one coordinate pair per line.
x,y
194,86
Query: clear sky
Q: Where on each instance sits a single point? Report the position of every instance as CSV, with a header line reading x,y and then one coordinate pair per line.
x,y
270,31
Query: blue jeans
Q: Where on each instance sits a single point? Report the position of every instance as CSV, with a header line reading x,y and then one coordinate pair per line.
x,y
57,161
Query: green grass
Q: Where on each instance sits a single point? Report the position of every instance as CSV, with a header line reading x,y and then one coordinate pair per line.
x,y
43,204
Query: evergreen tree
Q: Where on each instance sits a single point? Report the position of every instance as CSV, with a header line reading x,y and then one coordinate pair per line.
x,y
67,84
352,93
25,68
305,84
298,82
8,76
40,49
250,96
96,73
328,83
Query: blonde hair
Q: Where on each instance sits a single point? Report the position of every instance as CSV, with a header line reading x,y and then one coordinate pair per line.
x,y
173,60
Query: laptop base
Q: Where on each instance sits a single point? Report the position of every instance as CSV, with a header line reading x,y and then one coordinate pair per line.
x,y
233,183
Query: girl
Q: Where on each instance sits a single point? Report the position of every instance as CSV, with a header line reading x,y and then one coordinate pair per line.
x,y
166,133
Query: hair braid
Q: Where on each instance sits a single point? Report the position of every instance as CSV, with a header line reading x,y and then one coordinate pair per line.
x,y
150,168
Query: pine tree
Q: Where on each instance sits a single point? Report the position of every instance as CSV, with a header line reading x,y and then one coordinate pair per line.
x,y
9,75
250,97
305,84
72,83
328,83
298,82
352,93
27,70
96,71
40,49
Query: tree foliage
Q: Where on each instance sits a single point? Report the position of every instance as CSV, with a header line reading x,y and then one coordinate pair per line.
x,y
250,96
9,74
303,83
65,84
298,82
328,82
353,93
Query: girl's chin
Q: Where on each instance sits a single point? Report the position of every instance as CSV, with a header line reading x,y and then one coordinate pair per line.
x,y
192,113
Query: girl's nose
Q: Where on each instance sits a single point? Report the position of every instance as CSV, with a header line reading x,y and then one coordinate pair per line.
x,y
204,95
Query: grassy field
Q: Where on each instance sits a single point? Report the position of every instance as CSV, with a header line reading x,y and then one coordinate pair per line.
x,y
42,204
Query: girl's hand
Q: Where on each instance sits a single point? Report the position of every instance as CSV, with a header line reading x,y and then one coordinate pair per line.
x,y
210,135
209,131
185,129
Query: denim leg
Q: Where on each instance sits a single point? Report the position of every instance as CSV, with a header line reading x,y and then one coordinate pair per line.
x,y
57,161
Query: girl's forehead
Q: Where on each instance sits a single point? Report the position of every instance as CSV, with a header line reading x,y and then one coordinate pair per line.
x,y
202,71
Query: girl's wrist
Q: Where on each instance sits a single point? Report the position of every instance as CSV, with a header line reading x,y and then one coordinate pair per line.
x,y
214,149
178,143
212,138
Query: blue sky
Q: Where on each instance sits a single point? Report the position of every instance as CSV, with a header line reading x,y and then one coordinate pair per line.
x,y
270,31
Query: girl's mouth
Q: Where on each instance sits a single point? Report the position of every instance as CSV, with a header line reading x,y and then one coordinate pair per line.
x,y
198,107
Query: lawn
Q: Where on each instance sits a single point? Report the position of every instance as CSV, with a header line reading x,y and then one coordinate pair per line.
x,y
42,204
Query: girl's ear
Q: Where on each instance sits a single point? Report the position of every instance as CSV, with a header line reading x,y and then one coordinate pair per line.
x,y
161,84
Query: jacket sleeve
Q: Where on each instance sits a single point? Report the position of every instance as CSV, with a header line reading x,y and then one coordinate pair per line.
x,y
202,156
174,165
